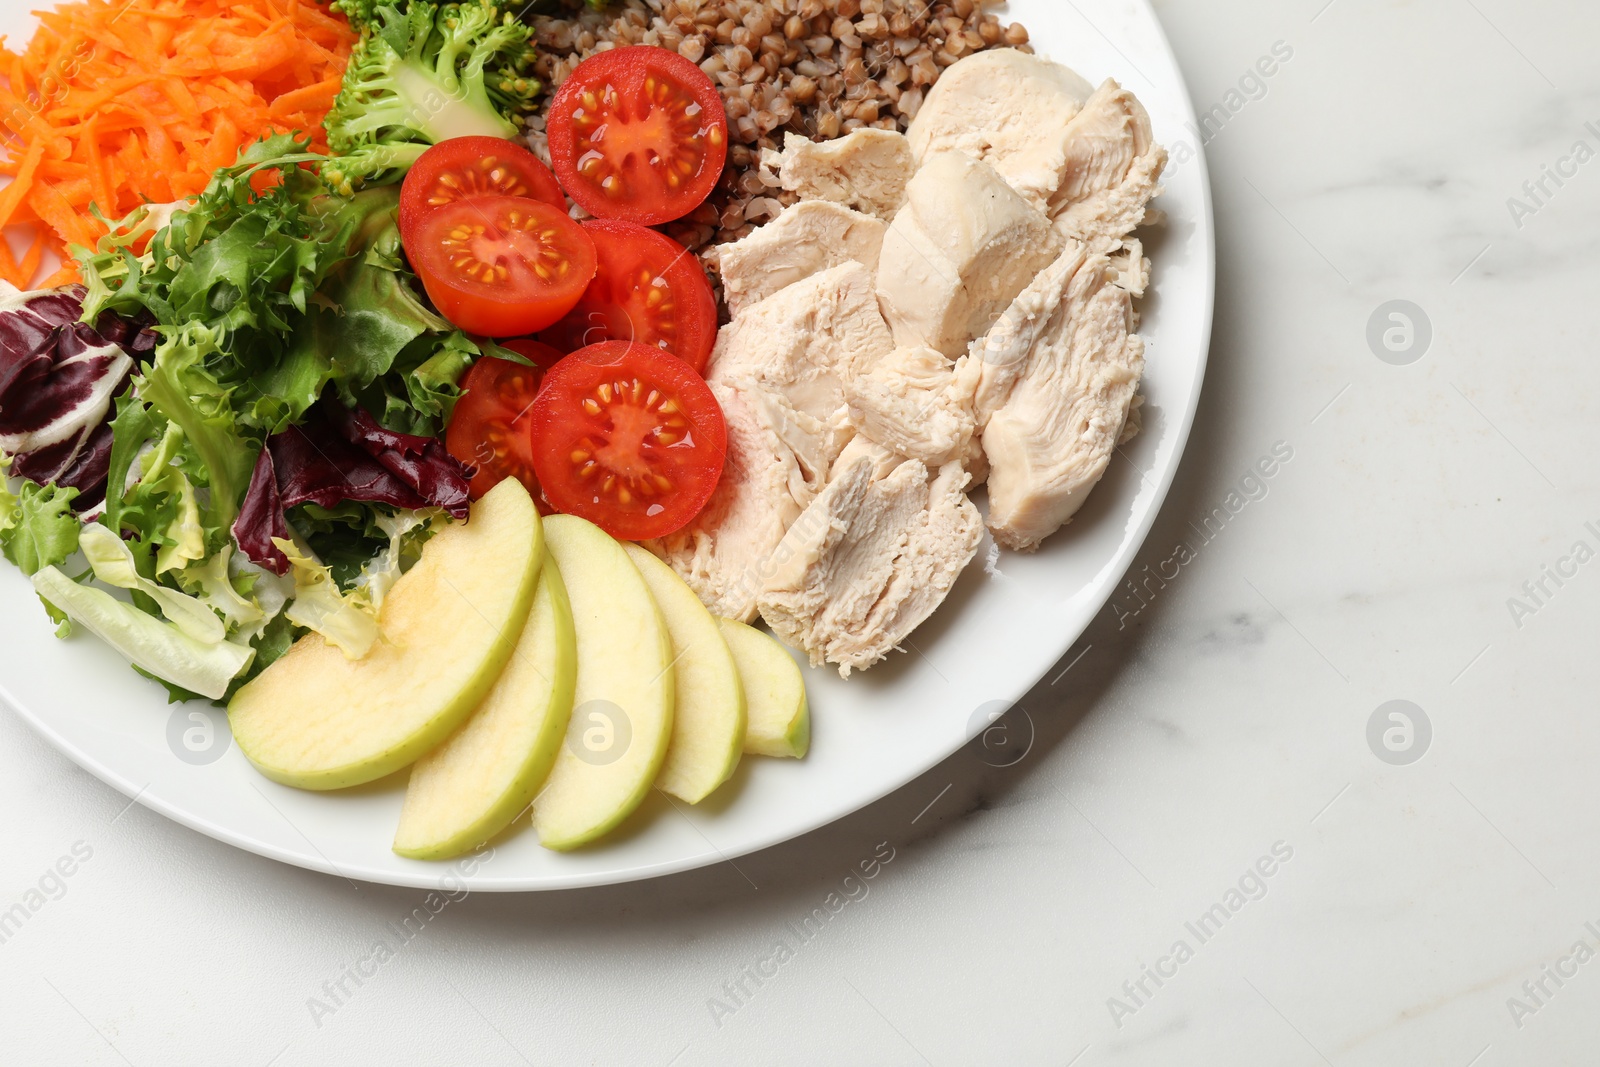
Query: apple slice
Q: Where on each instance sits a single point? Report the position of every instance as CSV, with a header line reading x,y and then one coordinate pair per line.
x,y
317,720
472,786
708,717
623,702
774,692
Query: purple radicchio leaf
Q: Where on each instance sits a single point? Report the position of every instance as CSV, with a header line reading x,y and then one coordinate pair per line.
x,y
420,462
81,462
261,518
28,325
74,395
315,464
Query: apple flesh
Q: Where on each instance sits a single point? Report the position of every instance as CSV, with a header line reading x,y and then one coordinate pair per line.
x,y
774,690
316,720
622,704
708,719
473,786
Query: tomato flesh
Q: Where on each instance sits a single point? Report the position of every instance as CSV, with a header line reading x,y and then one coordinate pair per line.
x,y
463,168
488,429
502,265
638,134
648,288
628,437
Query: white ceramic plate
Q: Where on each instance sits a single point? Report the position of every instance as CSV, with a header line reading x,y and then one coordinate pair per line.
x,y
1003,627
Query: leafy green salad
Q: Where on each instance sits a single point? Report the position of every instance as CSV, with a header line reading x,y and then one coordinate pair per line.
x,y
233,422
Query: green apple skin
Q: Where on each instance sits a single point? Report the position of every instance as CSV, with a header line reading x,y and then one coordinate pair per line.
x,y
316,720
624,665
775,693
473,786
708,718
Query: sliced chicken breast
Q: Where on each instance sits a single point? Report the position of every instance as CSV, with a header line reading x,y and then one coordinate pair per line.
x,y
806,238
904,401
776,370
870,560
866,170
963,246
1010,110
799,343
776,464
1052,388
1111,168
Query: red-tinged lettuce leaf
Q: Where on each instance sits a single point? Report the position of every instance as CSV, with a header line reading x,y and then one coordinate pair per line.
x,y
57,378
81,462
137,336
420,462
261,518
28,325
75,391
315,464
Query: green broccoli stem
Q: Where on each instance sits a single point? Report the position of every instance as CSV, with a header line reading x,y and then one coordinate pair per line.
x,y
440,113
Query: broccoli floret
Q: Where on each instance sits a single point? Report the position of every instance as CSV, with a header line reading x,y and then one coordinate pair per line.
x,y
360,13
418,77
370,165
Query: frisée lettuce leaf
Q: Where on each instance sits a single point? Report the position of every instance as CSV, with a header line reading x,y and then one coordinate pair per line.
x,y
37,526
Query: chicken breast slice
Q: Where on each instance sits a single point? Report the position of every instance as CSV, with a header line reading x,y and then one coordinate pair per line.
x,y
805,239
1057,407
777,371
799,343
870,560
776,464
1111,169
986,376
956,255
866,170
904,400
1007,108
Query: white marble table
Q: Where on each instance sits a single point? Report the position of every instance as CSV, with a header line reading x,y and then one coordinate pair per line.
x,y
1200,859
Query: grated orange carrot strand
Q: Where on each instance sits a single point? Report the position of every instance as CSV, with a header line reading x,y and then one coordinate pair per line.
x,y
13,194
113,103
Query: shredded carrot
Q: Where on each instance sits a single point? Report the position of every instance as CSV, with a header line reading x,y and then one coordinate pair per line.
x,y
115,103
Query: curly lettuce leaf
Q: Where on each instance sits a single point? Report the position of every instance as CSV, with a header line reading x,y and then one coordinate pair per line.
x,y
38,528
380,573
365,316
178,386
347,621
211,583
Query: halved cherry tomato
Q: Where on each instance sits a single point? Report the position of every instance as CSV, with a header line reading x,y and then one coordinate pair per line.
x,y
465,167
648,289
488,430
639,134
628,437
502,265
